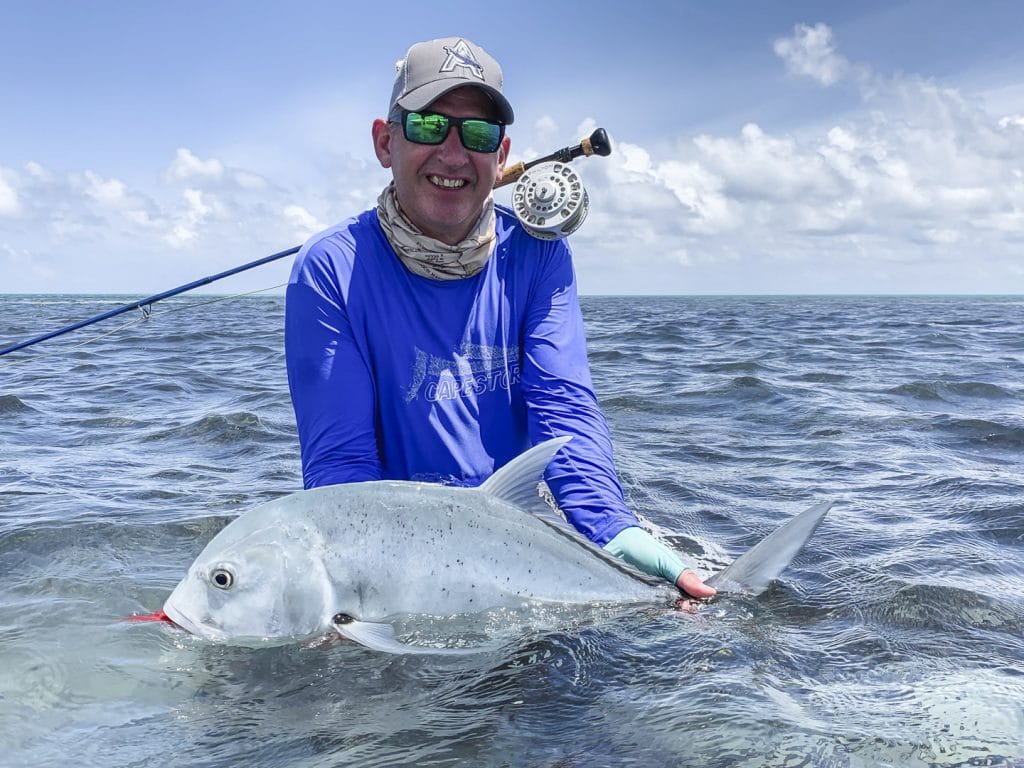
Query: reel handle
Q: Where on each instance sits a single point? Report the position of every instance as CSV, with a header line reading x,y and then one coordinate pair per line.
x,y
597,144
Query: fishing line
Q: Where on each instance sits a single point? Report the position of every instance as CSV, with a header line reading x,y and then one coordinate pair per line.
x,y
151,299
145,313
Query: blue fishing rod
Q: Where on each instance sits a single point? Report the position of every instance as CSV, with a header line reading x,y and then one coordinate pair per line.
x,y
141,303
548,192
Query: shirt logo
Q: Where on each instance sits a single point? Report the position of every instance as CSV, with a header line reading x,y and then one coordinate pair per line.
x,y
473,371
461,57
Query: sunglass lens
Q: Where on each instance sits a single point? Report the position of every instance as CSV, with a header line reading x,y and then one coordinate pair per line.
x,y
426,129
481,135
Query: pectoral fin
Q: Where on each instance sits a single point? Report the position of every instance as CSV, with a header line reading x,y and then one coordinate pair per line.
x,y
381,637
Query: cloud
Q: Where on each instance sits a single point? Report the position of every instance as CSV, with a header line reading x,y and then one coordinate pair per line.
x,y
303,222
109,193
189,169
9,205
248,180
917,188
809,52
186,167
189,219
38,172
920,175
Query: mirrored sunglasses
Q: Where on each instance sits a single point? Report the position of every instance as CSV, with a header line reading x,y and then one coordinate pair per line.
x,y
475,133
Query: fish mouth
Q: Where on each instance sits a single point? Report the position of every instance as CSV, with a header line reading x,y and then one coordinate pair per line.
x,y
183,621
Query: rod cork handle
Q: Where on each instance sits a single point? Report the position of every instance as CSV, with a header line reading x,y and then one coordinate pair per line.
x,y
511,174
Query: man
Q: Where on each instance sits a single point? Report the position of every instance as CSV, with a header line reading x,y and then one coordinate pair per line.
x,y
432,338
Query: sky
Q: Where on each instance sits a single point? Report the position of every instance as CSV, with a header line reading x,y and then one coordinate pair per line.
x,y
758,148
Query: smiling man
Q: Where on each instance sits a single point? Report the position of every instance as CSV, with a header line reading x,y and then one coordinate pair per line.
x,y
432,338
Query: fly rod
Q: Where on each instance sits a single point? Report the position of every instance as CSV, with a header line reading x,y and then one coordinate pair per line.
x,y
149,300
596,144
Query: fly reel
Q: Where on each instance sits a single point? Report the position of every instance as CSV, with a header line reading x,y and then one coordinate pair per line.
x,y
550,201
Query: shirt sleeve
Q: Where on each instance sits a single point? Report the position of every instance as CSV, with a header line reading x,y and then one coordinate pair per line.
x,y
638,548
560,400
331,385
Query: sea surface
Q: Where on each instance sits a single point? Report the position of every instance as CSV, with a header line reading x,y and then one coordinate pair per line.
x,y
895,639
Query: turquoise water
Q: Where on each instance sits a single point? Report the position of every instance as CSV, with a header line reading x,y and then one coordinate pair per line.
x,y
896,639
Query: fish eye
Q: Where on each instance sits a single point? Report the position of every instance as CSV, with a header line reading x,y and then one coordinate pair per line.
x,y
222,578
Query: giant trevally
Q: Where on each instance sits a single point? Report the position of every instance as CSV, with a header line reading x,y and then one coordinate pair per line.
x,y
351,557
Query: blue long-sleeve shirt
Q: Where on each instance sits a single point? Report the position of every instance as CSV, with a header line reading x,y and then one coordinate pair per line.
x,y
397,376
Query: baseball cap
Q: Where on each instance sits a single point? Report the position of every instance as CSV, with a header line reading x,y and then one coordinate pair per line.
x,y
432,68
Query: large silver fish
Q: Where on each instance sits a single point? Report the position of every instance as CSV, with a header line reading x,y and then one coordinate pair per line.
x,y
351,557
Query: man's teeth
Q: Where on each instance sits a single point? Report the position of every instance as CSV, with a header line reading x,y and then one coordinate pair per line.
x,y
447,183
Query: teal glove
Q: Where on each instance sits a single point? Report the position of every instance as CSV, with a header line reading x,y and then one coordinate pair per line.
x,y
641,550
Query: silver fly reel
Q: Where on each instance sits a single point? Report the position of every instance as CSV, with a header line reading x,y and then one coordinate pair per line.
x,y
550,201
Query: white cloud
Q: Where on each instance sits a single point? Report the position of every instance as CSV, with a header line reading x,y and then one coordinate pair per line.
x,y
302,221
545,130
9,205
809,52
186,166
247,180
188,221
918,188
110,193
38,172
921,175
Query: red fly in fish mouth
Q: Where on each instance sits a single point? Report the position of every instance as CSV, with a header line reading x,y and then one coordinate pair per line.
x,y
155,616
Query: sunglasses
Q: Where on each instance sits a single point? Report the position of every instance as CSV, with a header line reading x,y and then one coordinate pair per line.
x,y
475,133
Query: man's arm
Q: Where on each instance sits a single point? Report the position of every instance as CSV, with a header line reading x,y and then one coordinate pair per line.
x,y
331,385
561,400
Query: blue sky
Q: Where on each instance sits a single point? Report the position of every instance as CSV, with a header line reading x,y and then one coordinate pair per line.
x,y
799,147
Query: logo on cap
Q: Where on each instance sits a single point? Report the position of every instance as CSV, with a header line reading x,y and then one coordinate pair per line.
x,y
461,57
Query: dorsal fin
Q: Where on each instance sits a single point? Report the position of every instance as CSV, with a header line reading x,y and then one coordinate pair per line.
x,y
517,481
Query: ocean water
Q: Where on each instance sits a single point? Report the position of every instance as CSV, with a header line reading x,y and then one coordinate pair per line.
x,y
895,639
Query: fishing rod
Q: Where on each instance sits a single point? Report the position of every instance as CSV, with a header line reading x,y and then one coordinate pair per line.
x,y
142,304
595,144
558,203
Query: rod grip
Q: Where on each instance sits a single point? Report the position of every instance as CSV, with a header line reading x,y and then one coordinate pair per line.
x,y
511,174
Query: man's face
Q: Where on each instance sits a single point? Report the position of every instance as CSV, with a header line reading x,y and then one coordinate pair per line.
x,y
441,188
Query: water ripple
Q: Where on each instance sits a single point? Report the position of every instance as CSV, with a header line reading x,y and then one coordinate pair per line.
x,y
896,638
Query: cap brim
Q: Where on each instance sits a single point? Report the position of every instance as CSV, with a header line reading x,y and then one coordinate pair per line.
x,y
426,95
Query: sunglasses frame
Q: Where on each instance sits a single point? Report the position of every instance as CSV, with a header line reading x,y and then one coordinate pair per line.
x,y
457,122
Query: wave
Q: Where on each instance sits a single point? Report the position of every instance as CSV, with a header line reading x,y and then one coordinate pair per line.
x,y
11,404
945,390
228,428
923,606
983,432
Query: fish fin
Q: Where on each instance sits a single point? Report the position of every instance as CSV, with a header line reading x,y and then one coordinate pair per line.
x,y
516,482
753,571
381,637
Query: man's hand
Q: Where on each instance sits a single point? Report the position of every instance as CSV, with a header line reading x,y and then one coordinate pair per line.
x,y
690,584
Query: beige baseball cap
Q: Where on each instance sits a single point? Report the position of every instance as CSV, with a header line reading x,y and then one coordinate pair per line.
x,y
432,68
